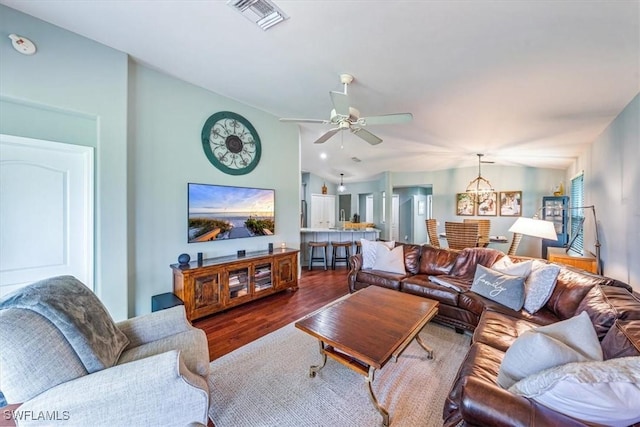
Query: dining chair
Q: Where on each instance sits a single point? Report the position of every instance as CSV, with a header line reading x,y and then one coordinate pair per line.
x,y
432,232
461,235
514,244
484,230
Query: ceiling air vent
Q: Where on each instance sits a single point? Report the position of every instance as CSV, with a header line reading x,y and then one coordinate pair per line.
x,y
262,12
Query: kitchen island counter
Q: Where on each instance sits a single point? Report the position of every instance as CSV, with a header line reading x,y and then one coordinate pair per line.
x,y
333,235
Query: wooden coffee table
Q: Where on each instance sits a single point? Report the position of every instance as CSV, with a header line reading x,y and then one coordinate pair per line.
x,y
367,329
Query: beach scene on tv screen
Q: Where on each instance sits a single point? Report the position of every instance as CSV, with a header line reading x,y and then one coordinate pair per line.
x,y
219,212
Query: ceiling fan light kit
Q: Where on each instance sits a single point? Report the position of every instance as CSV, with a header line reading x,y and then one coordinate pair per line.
x,y
343,116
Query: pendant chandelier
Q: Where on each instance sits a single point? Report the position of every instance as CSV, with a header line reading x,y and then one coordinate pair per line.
x,y
479,187
341,188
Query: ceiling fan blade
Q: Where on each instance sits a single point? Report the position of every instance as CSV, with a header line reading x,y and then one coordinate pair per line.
x,y
387,119
340,103
304,120
367,136
326,136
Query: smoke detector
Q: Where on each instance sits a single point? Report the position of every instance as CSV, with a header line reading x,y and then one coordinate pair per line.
x,y
22,44
264,13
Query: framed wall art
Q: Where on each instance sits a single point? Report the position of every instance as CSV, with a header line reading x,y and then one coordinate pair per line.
x,y
488,204
465,205
510,203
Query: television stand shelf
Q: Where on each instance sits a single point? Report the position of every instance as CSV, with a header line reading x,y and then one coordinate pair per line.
x,y
224,282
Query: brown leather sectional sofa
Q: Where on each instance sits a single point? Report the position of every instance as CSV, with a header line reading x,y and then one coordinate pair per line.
x,y
475,398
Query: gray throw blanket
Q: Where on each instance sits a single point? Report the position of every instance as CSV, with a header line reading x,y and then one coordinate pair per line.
x,y
78,314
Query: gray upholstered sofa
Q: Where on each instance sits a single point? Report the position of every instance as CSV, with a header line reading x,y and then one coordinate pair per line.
x,y
63,358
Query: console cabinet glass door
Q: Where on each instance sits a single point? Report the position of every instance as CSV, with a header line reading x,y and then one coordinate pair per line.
x,y
238,283
262,278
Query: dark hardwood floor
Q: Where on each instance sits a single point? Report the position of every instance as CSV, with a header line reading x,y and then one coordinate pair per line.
x,y
238,326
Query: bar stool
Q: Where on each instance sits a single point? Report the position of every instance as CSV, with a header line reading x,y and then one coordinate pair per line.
x,y
358,246
323,258
347,252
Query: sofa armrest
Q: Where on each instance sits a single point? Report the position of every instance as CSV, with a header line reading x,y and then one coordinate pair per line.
x,y
484,404
154,326
149,391
355,265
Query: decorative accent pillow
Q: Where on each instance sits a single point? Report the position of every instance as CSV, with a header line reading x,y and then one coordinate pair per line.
x,y
503,262
521,269
571,340
605,393
389,260
499,287
539,285
369,249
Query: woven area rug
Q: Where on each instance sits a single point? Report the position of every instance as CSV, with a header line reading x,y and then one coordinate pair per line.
x,y
266,383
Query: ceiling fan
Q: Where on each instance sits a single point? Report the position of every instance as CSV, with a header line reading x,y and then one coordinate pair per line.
x,y
343,117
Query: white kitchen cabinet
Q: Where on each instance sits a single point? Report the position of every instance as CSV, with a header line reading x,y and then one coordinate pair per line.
x,y
323,211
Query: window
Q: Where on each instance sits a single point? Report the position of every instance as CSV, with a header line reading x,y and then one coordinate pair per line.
x,y
577,215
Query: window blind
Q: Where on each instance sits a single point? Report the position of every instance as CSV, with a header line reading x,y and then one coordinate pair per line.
x,y
577,215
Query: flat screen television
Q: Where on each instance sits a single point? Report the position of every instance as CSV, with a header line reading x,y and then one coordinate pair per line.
x,y
220,212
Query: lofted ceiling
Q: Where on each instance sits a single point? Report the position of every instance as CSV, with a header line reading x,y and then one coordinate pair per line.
x,y
525,82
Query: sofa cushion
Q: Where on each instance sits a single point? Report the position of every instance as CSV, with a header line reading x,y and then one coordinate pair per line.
x,y
369,250
389,260
622,339
571,340
499,287
412,258
380,278
605,304
434,261
499,330
422,286
603,392
467,260
571,287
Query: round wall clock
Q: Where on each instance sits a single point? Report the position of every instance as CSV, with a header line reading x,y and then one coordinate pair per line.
x,y
231,143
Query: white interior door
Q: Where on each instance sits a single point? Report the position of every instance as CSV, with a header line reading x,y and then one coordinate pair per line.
x,y
46,211
368,209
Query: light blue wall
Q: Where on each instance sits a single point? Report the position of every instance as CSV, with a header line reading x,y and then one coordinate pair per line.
x,y
146,128
75,91
612,185
166,153
533,182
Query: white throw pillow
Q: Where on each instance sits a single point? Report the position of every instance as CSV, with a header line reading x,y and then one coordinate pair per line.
x,y
605,393
539,285
389,260
506,266
369,249
571,340
503,262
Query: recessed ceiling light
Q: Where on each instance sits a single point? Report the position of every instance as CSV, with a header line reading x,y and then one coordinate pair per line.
x,y
323,156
